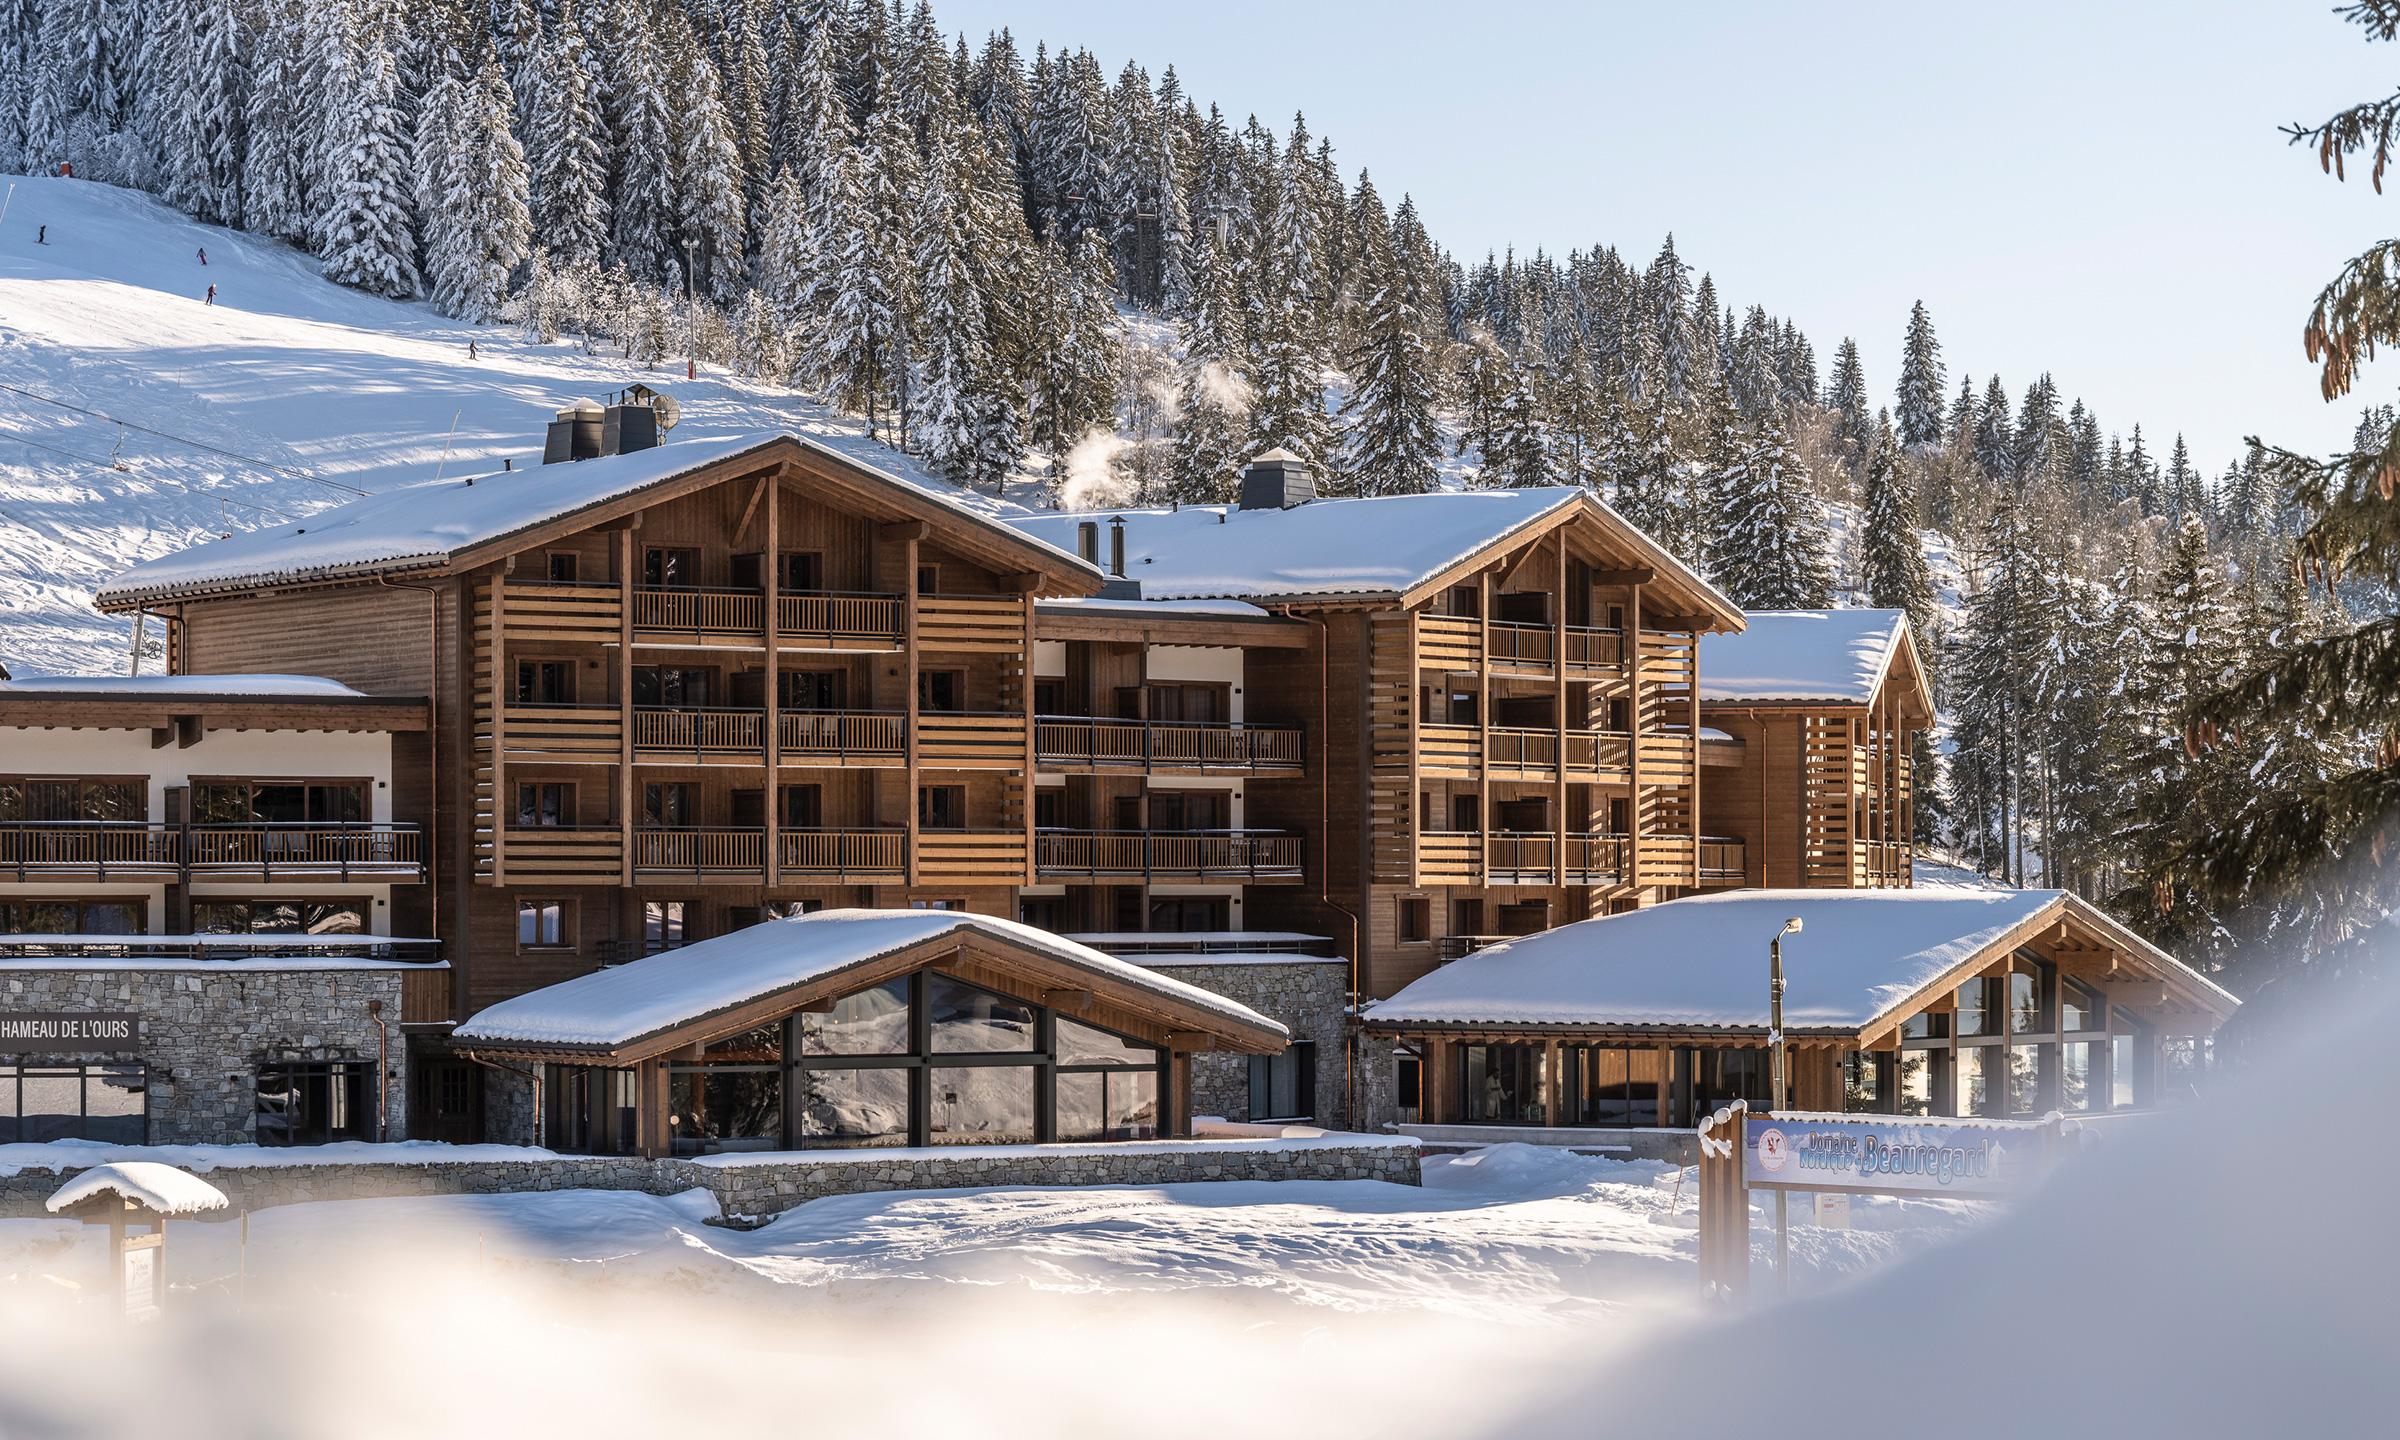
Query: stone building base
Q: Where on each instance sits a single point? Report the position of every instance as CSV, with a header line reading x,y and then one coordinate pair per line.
x,y
746,1187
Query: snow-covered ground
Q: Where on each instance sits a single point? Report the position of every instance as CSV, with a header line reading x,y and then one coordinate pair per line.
x,y
309,394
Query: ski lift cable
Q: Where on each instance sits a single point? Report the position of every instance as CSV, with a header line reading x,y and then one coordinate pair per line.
x,y
291,470
99,463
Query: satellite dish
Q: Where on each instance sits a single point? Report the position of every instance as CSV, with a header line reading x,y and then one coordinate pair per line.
x,y
667,411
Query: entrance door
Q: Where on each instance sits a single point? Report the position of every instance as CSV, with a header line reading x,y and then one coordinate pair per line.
x,y
445,1100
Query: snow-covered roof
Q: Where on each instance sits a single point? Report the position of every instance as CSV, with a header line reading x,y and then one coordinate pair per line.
x,y
1701,963
612,1009
1830,657
1197,609
281,687
1380,545
161,1188
429,523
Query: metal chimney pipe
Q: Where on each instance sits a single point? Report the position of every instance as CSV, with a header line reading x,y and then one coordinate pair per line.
x,y
1087,540
1116,545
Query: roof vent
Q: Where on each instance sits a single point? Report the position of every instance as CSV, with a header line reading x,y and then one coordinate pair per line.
x,y
575,433
1087,541
634,419
1277,480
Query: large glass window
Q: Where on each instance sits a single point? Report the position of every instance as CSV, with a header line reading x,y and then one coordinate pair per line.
x,y
1282,1086
1500,1084
1970,1080
2078,1006
2122,1083
1609,1085
26,799
866,1022
2075,1075
969,1020
1913,1084
1862,1082
1109,1104
2028,1010
105,1102
853,1107
72,917
980,1105
2025,1066
592,1111
279,802
1979,1006
279,917
315,1102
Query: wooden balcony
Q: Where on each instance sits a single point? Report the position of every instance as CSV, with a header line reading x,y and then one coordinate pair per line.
x,y
1456,644
1519,857
717,852
844,856
699,736
1723,861
101,850
1519,753
699,616
397,950
588,733
993,624
1083,744
548,613
1882,863
842,737
1249,856
390,853
970,740
1530,857
971,857
87,850
833,620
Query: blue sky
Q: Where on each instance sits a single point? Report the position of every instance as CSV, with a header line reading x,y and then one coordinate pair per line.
x,y
2097,189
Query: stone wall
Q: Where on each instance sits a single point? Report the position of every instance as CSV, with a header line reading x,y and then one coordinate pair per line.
x,y
1308,994
755,1187
204,1030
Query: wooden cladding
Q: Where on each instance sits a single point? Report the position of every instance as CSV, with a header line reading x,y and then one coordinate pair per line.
x,y
956,740
964,856
993,624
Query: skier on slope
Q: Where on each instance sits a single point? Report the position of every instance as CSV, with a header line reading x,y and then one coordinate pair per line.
x,y
204,254
211,297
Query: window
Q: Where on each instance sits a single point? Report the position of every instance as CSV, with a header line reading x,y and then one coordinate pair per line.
x,y
1464,601
670,568
971,1020
672,686
1717,1078
2028,1000
1609,1084
929,579
730,1097
542,925
73,917
662,925
1043,912
279,802
1190,704
2075,1060
803,807
26,799
280,917
937,905
1190,811
942,691
563,567
2026,1078
1408,1087
802,570
2121,1082
1913,1092
1971,1080
1862,1082
942,807
1525,917
1500,1084
545,682
812,689
1416,920
2079,1006
591,1111
1979,1006
1049,696
1466,917
1189,914
545,804
41,1102
670,804
314,1102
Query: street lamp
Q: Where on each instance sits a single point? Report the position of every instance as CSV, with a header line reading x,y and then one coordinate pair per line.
x,y
1783,1241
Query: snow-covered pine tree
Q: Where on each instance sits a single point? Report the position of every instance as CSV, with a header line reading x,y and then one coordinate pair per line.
x,y
1391,443
644,205
1846,397
370,240
1213,427
850,357
477,227
1769,552
1517,454
1287,369
565,145
1919,416
2005,630
204,108
1994,443
1891,549
952,383
710,184
276,126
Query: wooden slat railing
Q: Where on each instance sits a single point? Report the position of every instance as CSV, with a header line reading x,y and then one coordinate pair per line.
x,y
1515,748
1449,642
1595,647
326,850
1521,647
1449,857
844,854
696,611
1450,747
837,617
79,848
1206,854
993,623
715,731
717,850
960,737
868,735
582,730
570,854
1598,858
1723,861
1069,740
1519,857
1598,752
959,856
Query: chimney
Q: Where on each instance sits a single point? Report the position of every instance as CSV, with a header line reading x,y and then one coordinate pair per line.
x,y
1087,540
1116,546
627,428
1277,480
575,434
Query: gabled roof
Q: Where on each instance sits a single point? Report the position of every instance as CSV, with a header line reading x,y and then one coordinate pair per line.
x,y
636,1010
1811,657
1862,958
1376,547
440,523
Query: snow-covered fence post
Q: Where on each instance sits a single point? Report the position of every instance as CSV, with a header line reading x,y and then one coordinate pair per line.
x,y
1724,1204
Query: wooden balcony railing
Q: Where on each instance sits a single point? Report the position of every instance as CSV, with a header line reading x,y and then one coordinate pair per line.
x,y
1515,748
566,854
989,623
1458,947
843,736
1590,754
839,619
1457,643
698,732
220,947
698,612
1195,854
1513,857
844,854
582,731
1521,647
976,739
1078,742
1522,857
1883,862
697,852
1449,857
1723,861
1598,858
1598,754
1595,647
969,856
83,849
330,851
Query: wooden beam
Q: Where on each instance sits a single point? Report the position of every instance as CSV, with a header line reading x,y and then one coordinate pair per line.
x,y
903,530
1637,575
741,527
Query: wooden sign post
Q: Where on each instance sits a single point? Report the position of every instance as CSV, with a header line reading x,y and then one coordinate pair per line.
x,y
1724,1204
133,1199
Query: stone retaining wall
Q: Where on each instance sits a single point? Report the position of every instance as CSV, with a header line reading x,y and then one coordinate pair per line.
x,y
758,1188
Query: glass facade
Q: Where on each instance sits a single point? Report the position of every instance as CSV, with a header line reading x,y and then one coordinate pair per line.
x,y
1500,1085
924,1059
591,1111
1610,1084
104,1102
314,1102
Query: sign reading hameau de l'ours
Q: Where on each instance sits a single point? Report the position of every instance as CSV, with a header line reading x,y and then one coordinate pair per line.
x,y
1913,1156
67,1031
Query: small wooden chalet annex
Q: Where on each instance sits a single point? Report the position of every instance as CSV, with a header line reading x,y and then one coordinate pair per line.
x,y
1940,1000
864,1028
1824,708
